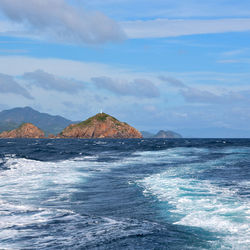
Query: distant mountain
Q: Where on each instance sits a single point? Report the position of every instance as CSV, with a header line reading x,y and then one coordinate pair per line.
x,y
5,126
167,134
50,124
161,134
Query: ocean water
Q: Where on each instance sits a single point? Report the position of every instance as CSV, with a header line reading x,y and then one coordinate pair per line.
x,y
125,194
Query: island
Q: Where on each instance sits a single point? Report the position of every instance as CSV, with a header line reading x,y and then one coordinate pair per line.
x,y
161,135
25,130
100,126
167,134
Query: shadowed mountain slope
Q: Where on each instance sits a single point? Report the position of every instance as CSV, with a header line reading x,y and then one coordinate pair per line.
x,y
50,124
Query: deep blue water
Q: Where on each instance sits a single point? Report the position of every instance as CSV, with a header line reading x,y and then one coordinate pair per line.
x,y
124,194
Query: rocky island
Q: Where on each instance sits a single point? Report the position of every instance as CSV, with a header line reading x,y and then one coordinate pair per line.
x,y
26,130
167,134
100,126
161,134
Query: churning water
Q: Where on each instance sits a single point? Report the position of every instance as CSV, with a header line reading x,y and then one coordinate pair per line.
x,y
124,194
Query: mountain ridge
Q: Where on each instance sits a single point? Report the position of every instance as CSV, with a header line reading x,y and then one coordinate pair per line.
x,y
50,124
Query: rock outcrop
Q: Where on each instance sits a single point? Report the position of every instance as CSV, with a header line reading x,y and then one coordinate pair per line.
x,y
26,130
100,126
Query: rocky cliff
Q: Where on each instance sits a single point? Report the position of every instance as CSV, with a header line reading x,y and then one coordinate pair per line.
x,y
26,130
100,126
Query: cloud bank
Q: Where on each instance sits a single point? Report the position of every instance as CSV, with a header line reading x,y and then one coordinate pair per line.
x,y
62,22
173,81
9,85
160,28
48,81
195,95
137,87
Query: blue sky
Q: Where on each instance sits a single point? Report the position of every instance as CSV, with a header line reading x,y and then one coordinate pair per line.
x,y
179,65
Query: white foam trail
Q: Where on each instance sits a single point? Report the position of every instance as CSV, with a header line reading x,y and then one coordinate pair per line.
x,y
171,155
25,180
201,203
35,192
26,177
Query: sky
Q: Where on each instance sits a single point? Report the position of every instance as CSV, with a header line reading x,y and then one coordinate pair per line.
x,y
164,64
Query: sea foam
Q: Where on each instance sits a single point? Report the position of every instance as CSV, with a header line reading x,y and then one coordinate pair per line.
x,y
36,196
190,201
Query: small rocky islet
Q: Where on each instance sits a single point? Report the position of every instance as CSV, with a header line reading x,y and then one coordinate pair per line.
x,y
26,130
99,126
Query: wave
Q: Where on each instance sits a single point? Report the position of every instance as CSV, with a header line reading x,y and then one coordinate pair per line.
x,y
54,228
186,199
36,198
41,198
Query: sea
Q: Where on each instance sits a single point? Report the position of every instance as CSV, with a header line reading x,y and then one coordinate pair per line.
x,y
124,194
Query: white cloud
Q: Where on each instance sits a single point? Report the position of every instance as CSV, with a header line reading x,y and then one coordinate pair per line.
x,y
57,20
172,28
